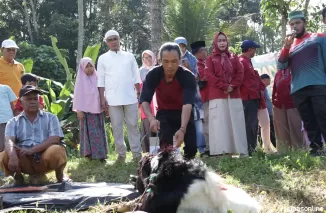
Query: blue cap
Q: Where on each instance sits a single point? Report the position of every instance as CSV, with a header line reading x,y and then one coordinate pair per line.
x,y
246,44
181,40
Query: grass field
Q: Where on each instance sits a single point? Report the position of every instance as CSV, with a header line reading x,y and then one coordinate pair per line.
x,y
278,182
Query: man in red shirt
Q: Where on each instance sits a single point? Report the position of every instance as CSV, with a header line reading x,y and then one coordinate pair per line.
x,y
175,89
200,52
250,93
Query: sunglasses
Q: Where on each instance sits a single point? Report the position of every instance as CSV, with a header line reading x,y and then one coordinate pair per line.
x,y
112,39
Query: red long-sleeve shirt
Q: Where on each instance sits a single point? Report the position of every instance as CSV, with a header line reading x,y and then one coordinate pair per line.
x,y
252,85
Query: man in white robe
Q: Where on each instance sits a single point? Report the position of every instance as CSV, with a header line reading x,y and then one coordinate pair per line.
x,y
118,82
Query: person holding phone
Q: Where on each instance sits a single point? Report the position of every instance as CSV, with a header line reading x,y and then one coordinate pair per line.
x,y
305,54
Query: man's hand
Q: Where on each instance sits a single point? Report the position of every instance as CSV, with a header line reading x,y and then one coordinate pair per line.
x,y
186,64
104,105
154,125
288,41
138,96
179,137
13,164
25,151
80,115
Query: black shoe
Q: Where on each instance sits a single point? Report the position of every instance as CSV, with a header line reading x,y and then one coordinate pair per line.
x,y
317,152
205,154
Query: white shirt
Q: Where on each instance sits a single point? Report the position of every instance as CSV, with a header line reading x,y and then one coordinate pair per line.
x,y
118,73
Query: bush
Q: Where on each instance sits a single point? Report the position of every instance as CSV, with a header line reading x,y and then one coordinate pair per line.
x,y
45,61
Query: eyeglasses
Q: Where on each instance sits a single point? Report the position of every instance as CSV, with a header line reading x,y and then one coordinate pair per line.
x,y
11,49
147,58
112,39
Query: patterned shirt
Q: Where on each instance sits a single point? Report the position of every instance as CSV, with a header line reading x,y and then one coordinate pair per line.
x,y
306,58
192,60
29,134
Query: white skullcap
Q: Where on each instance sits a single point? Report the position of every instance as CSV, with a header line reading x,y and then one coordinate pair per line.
x,y
110,33
9,44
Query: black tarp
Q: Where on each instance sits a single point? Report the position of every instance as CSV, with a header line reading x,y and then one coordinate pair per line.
x,y
80,197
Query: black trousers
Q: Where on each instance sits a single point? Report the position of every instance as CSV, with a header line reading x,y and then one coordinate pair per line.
x,y
311,104
170,123
251,118
273,139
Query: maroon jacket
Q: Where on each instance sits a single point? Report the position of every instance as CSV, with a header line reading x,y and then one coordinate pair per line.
x,y
201,64
216,82
281,96
252,84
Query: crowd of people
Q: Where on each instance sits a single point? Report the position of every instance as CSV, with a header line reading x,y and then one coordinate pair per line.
x,y
213,103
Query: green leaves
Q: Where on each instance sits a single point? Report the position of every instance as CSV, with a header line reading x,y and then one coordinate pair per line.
x,y
92,52
61,58
28,65
52,93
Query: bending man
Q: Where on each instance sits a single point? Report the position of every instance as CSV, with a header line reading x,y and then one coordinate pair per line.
x,y
175,89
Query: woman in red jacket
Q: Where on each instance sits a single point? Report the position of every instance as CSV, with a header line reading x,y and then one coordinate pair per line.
x,y
287,121
227,133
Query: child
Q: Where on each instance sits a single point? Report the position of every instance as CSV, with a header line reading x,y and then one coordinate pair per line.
x,y
28,79
7,98
86,102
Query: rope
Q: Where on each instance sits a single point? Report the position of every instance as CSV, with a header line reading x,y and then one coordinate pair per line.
x,y
148,189
157,140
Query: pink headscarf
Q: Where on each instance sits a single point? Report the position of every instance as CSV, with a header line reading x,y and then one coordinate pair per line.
x,y
86,94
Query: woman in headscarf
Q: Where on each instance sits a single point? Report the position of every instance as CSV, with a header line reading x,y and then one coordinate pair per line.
x,y
86,102
149,61
227,133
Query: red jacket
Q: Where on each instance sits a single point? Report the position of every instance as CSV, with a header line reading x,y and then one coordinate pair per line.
x,y
252,84
281,96
201,64
216,83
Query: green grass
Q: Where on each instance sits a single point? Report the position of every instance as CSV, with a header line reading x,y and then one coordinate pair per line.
x,y
276,181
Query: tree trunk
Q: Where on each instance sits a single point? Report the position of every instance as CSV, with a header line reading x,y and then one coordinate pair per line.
x,y
306,5
29,28
283,25
34,20
156,24
80,31
265,43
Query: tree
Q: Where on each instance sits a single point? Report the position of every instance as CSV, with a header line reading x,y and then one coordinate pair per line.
x,y
156,24
275,12
191,19
80,30
27,22
34,16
